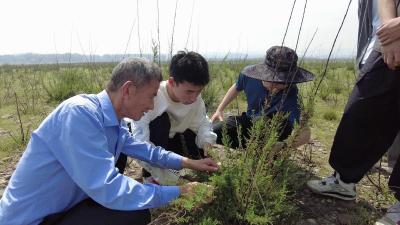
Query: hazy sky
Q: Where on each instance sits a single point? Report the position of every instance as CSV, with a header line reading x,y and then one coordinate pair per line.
x,y
206,26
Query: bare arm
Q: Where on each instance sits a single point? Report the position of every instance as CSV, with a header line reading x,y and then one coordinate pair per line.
x,y
231,94
389,33
387,10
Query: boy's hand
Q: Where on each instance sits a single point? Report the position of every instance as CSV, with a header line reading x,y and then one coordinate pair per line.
x,y
206,164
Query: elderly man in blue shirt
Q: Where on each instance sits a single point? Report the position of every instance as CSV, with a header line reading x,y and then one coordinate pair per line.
x,y
67,174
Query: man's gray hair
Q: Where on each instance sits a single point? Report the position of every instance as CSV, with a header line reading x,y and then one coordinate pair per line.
x,y
140,71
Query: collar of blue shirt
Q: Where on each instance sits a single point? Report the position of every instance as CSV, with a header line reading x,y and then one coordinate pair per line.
x,y
110,117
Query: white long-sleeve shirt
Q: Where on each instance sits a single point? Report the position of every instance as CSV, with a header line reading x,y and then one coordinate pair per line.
x,y
182,117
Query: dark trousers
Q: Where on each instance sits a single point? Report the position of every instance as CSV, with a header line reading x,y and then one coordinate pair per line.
x,y
121,163
233,123
369,124
89,212
182,143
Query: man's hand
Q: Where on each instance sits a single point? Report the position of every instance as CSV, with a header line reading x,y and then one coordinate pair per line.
x,y
218,115
391,54
389,31
206,164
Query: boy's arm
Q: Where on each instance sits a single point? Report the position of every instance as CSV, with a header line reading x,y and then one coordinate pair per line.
x,y
231,94
202,125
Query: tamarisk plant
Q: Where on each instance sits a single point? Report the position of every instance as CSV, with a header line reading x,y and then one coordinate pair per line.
x,y
250,188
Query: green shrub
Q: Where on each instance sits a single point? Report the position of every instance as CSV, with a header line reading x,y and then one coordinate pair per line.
x,y
210,96
251,186
330,115
68,82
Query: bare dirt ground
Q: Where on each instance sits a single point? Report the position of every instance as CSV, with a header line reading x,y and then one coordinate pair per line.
x,y
367,208
312,161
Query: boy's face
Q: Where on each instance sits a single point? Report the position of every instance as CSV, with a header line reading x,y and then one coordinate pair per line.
x,y
185,92
273,87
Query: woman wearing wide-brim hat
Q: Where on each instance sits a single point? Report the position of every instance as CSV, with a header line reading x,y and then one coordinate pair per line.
x,y
270,87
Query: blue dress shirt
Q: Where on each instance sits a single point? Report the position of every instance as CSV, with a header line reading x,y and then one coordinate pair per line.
x,y
71,156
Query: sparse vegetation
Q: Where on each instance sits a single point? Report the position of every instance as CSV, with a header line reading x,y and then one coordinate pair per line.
x,y
256,185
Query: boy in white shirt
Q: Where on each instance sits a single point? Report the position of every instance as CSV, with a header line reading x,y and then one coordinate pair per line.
x,y
178,120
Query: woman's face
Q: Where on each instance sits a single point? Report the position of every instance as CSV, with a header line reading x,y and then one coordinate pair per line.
x,y
273,87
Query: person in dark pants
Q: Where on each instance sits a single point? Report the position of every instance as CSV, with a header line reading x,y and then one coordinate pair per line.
x,y
91,212
181,143
178,121
270,88
67,173
371,118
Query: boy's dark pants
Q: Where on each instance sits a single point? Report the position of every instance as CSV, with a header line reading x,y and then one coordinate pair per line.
x,y
369,124
182,143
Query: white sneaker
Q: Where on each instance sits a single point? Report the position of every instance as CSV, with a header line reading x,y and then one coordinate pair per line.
x,y
392,216
333,186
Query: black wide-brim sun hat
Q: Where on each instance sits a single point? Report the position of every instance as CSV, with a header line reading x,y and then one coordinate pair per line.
x,y
279,66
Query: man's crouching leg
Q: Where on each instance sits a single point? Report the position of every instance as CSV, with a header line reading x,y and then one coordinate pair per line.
x,y
91,212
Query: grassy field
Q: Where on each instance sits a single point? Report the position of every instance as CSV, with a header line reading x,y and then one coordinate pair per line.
x,y
28,93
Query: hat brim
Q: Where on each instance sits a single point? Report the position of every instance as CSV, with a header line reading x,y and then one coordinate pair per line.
x,y
265,73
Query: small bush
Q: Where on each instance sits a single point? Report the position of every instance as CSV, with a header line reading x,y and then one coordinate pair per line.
x,y
210,96
69,82
330,115
251,186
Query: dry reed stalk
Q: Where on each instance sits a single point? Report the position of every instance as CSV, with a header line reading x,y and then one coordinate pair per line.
x,y
173,31
301,25
333,45
287,26
190,24
129,38
158,34
138,29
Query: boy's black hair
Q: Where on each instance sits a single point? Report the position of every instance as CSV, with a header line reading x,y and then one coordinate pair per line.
x,y
190,67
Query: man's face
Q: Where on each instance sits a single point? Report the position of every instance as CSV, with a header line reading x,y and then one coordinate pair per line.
x,y
140,99
185,92
273,87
